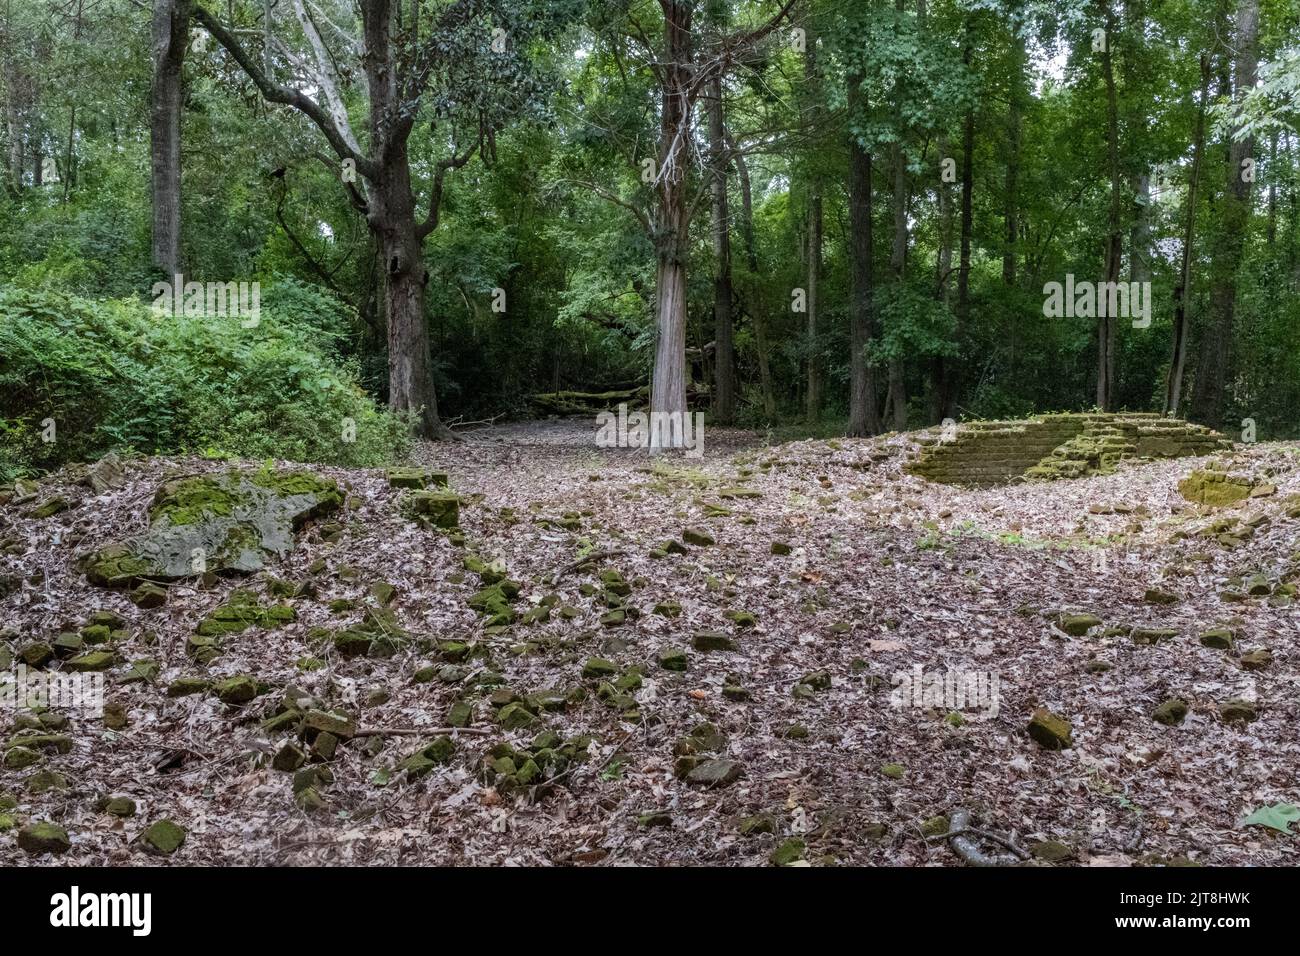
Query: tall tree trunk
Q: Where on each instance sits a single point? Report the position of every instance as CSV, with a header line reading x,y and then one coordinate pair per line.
x,y
1015,123
14,132
15,85
898,266
864,416
668,388
171,20
392,219
724,373
1107,327
1293,203
410,373
813,397
942,287
1183,288
1212,376
1139,240
1132,53
761,344
943,256
898,256
953,380
1270,232
72,116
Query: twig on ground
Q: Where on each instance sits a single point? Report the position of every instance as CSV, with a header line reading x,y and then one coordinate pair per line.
x,y
594,556
417,731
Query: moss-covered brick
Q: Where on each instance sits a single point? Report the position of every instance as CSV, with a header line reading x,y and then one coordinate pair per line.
x,y
1049,730
441,509
163,838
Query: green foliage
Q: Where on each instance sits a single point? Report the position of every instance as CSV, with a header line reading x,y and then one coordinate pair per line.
x,y
118,374
573,107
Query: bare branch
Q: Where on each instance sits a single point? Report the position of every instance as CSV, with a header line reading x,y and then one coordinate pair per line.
x,y
277,93
454,161
325,76
616,200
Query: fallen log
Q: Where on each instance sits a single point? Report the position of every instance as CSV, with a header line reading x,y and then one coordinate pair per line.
x,y
587,403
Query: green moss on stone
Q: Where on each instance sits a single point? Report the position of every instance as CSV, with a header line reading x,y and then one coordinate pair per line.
x,y
163,838
191,500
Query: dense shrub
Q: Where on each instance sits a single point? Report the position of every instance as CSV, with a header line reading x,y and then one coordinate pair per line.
x,y
118,374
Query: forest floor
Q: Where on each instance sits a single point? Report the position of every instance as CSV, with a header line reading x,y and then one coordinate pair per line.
x,y
885,573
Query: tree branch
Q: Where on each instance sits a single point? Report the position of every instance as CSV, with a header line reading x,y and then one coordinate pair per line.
x,y
606,194
288,96
454,161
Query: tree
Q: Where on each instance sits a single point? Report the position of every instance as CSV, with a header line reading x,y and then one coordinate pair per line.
x,y
171,30
812,303
1178,361
444,66
864,416
724,374
1212,373
684,65
1107,325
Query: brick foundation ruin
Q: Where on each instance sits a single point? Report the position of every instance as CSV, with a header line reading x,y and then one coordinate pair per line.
x,y
1048,447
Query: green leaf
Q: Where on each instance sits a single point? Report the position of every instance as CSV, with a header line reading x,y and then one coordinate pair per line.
x,y
1279,816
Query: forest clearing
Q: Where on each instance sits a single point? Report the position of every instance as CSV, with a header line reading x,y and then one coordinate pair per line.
x,y
656,435
751,613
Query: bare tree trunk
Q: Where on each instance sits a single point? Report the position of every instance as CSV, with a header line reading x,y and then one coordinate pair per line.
x,y
1015,122
751,257
813,397
943,257
394,87
668,388
14,131
1212,376
1271,231
171,19
72,117
942,287
897,265
1293,201
1139,240
1183,289
15,85
668,392
1131,53
1107,327
955,371
898,260
864,417
410,374
724,375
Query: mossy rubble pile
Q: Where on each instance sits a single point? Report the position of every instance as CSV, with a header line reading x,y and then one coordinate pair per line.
x,y
1048,447
224,523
